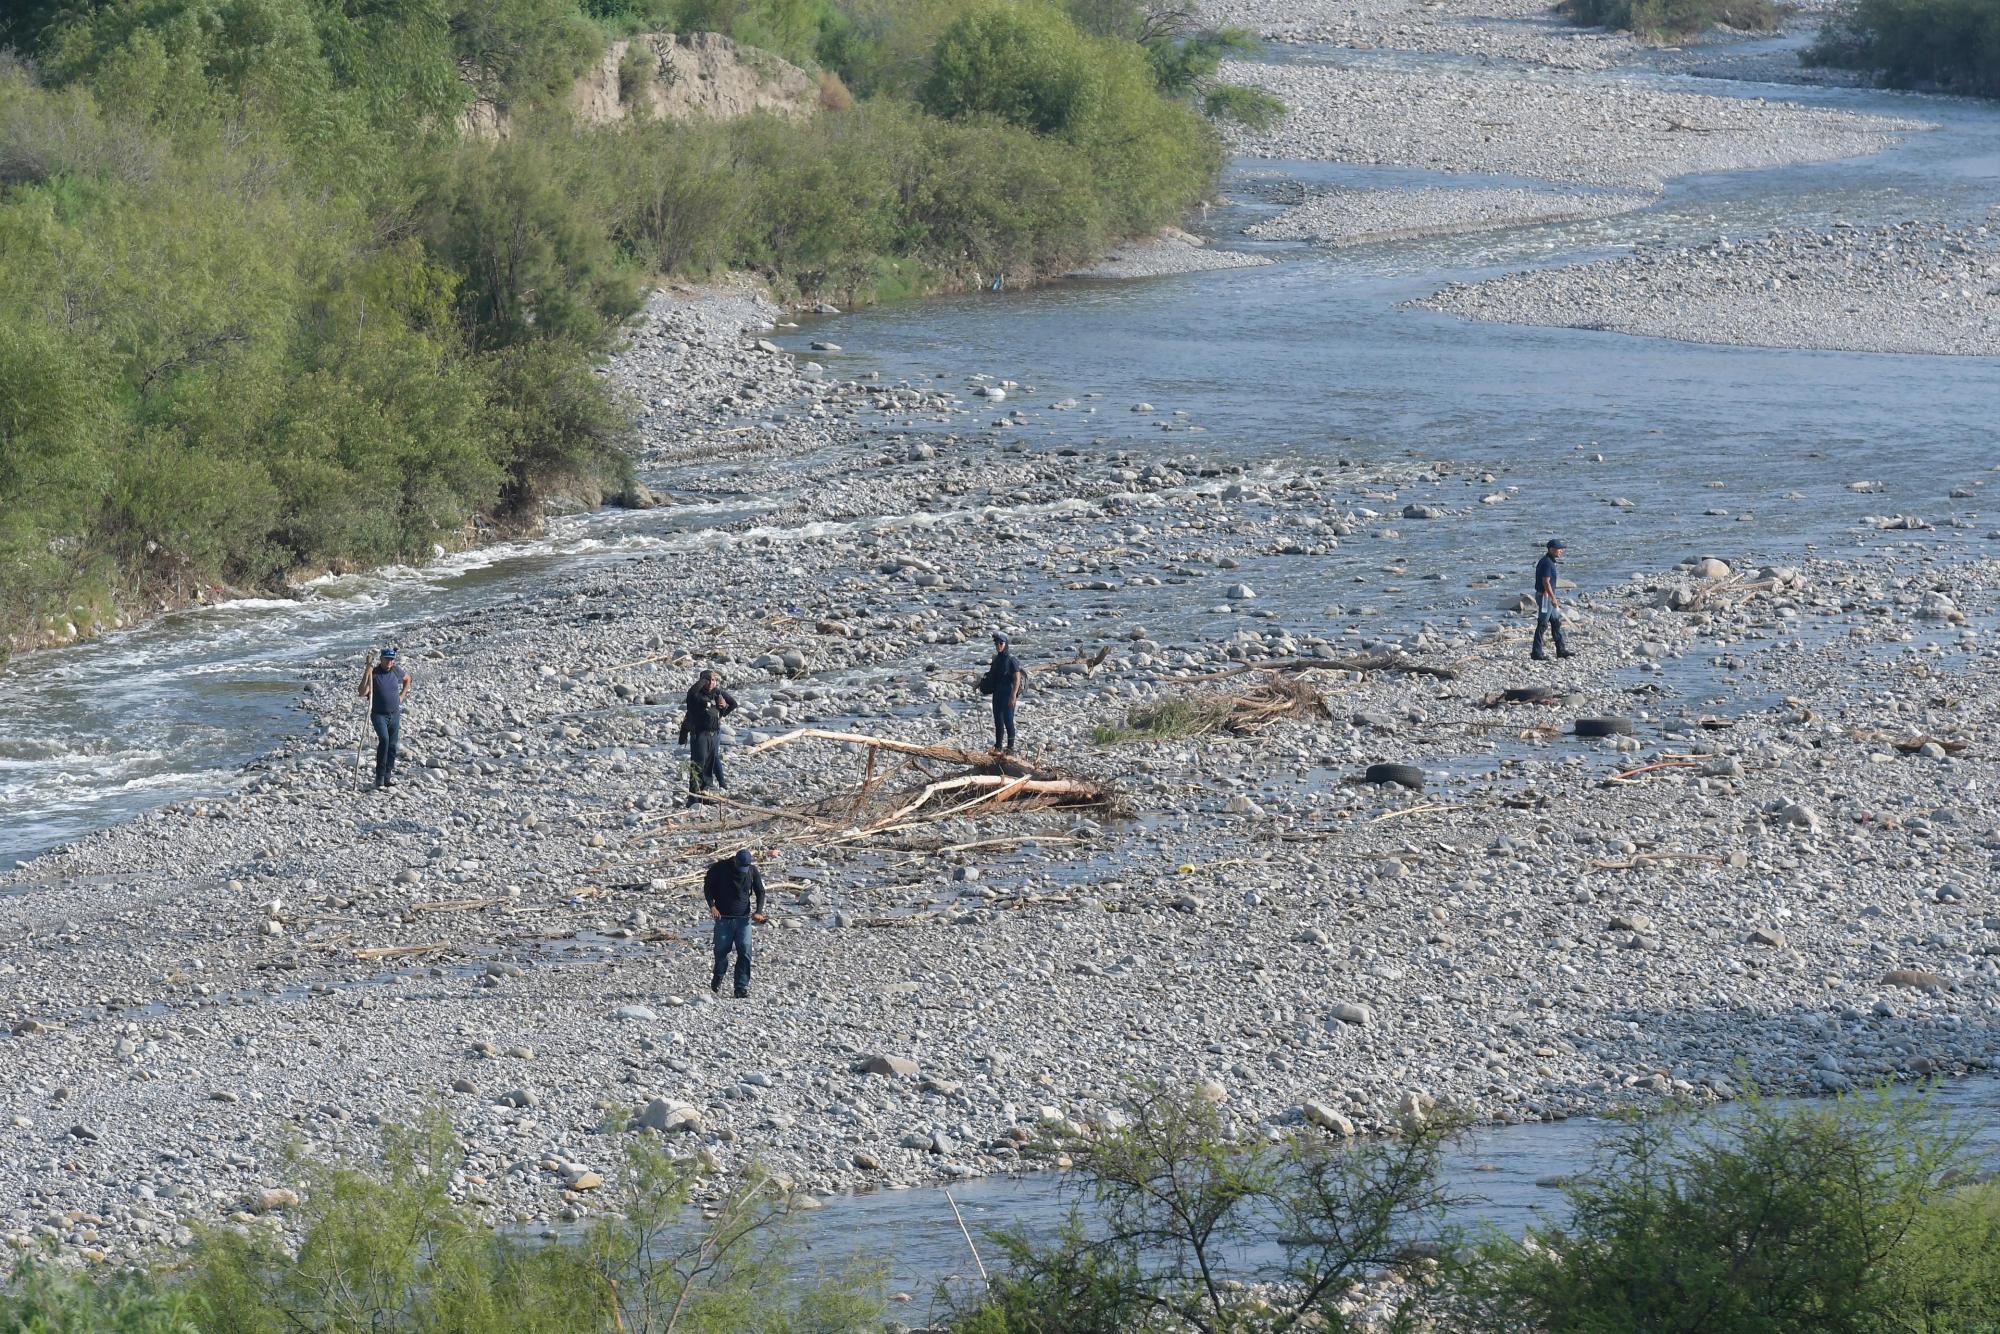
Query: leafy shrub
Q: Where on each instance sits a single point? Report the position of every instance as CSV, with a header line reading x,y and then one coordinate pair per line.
x,y
1175,1203
1949,44
1025,65
637,68
1819,1217
388,1251
1658,20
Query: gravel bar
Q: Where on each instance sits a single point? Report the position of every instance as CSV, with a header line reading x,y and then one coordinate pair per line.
x,y
1575,130
1359,217
1917,287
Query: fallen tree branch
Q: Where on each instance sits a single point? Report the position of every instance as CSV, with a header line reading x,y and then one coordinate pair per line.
x,y
1648,858
641,662
1376,662
1431,808
984,760
1631,775
399,951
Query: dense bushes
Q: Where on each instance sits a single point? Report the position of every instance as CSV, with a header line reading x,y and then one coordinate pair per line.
x,y
389,1252
1855,1216
1949,44
1812,1219
1658,20
1844,1217
262,308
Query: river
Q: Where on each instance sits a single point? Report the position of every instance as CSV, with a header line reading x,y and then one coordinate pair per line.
x,y
1505,1177
1305,362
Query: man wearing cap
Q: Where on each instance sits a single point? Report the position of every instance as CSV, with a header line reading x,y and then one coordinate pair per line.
x,y
384,683
1548,610
730,887
1003,682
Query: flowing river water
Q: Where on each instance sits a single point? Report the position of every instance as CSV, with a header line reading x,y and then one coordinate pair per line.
x,y
1304,362
1506,1178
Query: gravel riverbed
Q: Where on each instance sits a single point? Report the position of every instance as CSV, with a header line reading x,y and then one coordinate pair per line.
x,y
1360,217
1922,288
1803,895
1524,31
1574,130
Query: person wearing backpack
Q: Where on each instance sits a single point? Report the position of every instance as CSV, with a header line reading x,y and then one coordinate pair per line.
x,y
1003,682
730,887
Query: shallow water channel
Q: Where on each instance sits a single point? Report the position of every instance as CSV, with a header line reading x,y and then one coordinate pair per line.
x,y
1505,1174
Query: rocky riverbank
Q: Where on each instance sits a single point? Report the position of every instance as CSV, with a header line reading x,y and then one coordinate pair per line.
x,y
1579,130
1360,217
1797,892
1923,288
1524,31
1173,251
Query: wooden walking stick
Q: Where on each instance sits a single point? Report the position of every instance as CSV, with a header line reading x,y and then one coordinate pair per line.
x,y
361,740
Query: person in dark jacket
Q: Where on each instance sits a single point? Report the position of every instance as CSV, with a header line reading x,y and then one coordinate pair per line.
x,y
1003,682
701,732
384,683
1548,608
731,887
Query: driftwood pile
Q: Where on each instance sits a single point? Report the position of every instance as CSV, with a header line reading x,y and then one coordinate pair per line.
x,y
901,787
1238,713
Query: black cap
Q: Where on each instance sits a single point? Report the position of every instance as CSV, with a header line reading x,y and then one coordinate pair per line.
x,y
1557,544
999,637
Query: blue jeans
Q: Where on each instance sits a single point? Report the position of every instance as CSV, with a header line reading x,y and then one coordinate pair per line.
x,y
705,752
732,933
1003,723
388,731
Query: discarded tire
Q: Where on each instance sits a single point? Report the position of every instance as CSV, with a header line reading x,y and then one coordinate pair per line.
x,y
1528,694
1604,727
1404,775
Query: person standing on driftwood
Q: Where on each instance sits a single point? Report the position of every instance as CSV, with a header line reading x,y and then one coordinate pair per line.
x,y
701,732
730,887
384,683
1548,609
1003,682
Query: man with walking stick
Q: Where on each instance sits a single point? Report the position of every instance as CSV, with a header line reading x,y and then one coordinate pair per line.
x,y
384,683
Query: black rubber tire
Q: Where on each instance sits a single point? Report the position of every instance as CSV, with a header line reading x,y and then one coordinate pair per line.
x,y
1528,694
1604,727
1404,775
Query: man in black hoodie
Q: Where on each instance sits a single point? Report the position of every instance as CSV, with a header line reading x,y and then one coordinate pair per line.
x,y
701,732
730,887
1003,682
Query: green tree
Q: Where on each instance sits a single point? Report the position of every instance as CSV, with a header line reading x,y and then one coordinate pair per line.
x,y
1176,1201
1950,44
1764,1218
1023,64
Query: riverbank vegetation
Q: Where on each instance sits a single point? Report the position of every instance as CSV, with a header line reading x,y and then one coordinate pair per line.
x,y
1950,45
1862,1214
1859,1215
1672,20
265,308
387,1251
